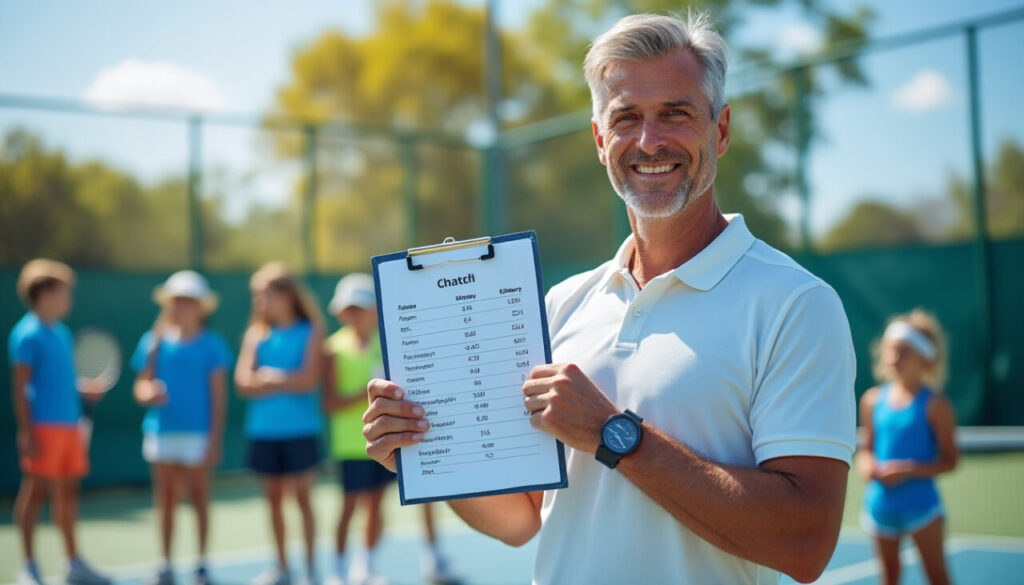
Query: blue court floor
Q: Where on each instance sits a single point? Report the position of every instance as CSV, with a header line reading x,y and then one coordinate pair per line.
x,y
483,561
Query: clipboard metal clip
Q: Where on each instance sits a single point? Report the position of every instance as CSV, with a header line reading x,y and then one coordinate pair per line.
x,y
448,245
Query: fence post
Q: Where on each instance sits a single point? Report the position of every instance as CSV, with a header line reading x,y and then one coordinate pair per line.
x,y
492,210
803,139
309,135
195,209
410,181
982,250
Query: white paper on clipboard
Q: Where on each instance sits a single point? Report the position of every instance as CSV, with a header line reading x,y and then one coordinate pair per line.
x,y
462,324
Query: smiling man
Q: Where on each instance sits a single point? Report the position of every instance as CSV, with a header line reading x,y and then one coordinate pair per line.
x,y
702,380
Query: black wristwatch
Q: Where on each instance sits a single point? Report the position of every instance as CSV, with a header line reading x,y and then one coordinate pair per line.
x,y
620,436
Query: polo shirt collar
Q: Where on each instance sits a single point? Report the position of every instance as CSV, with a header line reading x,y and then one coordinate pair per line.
x,y
708,267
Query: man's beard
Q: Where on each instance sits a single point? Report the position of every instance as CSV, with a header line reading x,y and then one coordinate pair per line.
x,y
658,206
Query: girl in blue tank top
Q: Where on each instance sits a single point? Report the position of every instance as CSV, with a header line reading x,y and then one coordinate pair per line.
x,y
278,372
909,433
181,373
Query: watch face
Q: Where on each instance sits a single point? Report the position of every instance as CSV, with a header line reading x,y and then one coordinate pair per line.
x,y
620,435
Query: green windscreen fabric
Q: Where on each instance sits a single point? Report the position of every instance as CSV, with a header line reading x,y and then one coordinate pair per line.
x,y
873,285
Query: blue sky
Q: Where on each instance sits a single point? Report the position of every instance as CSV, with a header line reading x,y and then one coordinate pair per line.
x,y
897,140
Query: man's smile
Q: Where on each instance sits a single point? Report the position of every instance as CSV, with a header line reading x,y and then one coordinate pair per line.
x,y
655,171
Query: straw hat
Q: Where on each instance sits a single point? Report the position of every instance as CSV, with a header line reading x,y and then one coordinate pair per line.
x,y
42,269
187,284
355,290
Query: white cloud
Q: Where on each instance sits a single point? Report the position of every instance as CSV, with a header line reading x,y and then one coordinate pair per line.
x,y
926,90
155,83
799,38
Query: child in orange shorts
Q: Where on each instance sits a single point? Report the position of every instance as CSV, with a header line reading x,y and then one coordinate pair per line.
x,y
48,408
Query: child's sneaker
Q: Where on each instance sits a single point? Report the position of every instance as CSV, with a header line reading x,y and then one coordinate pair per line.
x,y
29,575
436,570
201,577
274,575
308,578
80,573
162,576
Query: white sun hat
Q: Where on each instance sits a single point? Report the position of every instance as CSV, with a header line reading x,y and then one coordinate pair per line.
x,y
187,284
354,290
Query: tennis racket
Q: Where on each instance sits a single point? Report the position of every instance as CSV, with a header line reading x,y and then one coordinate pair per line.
x,y
97,360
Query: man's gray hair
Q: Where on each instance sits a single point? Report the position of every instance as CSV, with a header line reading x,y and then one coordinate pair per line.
x,y
640,37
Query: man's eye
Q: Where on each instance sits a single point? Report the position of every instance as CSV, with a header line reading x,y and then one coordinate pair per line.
x,y
677,113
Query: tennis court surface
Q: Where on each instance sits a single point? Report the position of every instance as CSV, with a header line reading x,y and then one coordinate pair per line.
x,y
984,501
483,561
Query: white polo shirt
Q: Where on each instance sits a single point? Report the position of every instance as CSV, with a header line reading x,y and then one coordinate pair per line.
x,y
740,354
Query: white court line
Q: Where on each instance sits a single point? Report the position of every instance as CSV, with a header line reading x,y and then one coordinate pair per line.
x,y
989,543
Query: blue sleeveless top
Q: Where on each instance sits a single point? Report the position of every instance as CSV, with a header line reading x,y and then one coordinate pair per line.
x,y
903,433
284,415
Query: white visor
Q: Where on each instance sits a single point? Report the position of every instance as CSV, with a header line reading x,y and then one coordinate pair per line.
x,y
905,332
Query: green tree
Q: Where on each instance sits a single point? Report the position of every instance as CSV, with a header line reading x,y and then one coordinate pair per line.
x,y
422,68
750,177
1004,195
872,223
87,214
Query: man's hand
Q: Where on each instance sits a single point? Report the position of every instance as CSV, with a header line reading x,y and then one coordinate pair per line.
x,y
566,404
391,422
27,446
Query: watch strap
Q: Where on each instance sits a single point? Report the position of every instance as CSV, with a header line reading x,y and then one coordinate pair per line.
x,y
606,456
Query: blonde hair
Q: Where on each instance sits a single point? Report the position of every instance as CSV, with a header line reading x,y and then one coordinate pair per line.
x,y
925,323
640,37
278,276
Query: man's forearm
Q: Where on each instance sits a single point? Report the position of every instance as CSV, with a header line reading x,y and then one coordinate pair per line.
x,y
787,521
511,518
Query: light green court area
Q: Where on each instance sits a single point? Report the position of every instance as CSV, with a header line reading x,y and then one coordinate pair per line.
x,y
118,527
983,497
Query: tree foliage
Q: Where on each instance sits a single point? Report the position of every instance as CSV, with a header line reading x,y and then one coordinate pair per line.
x,y
420,73
87,213
422,67
1004,195
873,223
946,218
93,214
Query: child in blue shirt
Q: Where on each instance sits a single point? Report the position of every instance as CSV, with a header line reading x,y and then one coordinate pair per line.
x,y
909,430
181,371
278,372
47,406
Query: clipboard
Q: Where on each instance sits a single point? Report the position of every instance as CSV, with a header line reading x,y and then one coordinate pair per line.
x,y
461,324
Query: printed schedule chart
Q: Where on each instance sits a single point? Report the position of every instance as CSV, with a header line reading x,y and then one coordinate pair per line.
x,y
462,325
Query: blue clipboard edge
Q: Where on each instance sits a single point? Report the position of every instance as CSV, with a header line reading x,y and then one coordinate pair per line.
x,y
376,261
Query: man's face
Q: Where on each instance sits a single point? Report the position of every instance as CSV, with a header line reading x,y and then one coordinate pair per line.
x,y
656,134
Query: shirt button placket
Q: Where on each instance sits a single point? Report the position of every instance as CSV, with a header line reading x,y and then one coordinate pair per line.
x,y
632,324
